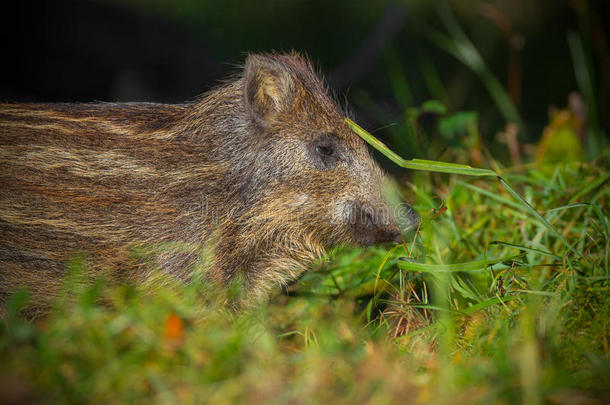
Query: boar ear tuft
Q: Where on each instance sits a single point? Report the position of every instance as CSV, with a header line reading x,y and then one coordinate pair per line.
x,y
270,87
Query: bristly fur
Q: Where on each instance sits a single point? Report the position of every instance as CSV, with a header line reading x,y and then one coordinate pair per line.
x,y
234,168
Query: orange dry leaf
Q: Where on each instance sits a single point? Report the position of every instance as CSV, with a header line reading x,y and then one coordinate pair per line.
x,y
174,327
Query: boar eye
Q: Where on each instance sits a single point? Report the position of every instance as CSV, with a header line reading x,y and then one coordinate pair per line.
x,y
325,150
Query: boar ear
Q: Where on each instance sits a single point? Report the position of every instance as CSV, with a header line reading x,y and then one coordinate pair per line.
x,y
270,87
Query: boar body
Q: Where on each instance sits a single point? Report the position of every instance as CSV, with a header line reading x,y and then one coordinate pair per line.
x,y
262,172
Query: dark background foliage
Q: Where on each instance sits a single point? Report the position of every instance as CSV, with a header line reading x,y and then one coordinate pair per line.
x,y
171,51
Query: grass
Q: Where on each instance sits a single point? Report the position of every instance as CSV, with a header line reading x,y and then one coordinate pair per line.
x,y
484,305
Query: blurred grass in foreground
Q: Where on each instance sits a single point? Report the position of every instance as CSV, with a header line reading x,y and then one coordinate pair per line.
x,y
484,306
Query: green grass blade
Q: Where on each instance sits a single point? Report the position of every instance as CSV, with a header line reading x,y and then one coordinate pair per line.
x,y
565,207
524,248
398,77
455,267
491,195
417,164
488,303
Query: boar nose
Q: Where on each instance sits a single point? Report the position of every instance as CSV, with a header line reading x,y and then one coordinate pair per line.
x,y
389,233
373,225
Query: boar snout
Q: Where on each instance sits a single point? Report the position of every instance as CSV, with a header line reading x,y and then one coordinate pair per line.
x,y
373,225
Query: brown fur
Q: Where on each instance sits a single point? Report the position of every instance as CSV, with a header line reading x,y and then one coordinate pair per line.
x,y
240,170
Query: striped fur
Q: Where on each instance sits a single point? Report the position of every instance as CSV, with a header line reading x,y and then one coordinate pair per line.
x,y
232,171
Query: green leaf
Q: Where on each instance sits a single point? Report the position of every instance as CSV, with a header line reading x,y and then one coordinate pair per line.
x,y
417,164
433,106
460,123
